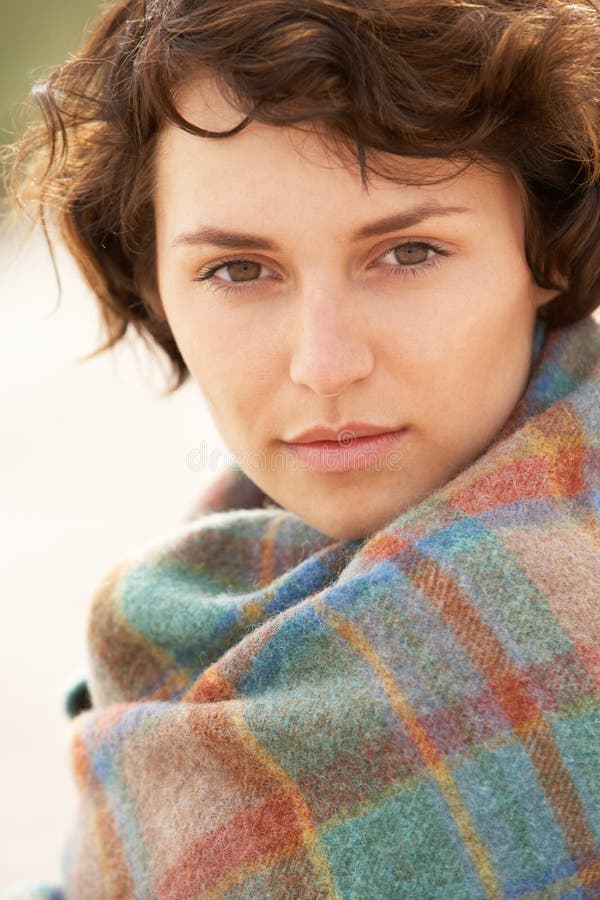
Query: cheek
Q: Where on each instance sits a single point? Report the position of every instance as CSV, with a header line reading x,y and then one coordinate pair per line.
x,y
206,339
476,360
226,368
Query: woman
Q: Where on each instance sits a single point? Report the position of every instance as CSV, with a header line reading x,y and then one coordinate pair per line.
x,y
368,664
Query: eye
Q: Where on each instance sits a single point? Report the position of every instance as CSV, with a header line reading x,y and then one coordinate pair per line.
x,y
413,258
411,254
236,270
242,270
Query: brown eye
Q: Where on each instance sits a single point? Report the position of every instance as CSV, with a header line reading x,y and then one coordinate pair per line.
x,y
411,254
243,270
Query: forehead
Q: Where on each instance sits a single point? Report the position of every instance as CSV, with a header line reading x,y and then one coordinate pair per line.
x,y
204,102
265,168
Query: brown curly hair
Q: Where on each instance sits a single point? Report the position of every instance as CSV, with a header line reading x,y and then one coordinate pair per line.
x,y
514,82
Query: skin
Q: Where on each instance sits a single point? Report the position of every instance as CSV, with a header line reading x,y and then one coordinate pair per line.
x,y
328,328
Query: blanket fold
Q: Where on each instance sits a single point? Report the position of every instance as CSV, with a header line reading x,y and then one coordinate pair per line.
x,y
279,714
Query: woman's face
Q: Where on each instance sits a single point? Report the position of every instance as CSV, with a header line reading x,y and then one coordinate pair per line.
x,y
301,299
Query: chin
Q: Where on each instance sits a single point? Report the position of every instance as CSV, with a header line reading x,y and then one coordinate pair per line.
x,y
350,530
338,517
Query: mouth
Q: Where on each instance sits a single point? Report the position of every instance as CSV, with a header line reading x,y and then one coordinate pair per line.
x,y
353,454
345,434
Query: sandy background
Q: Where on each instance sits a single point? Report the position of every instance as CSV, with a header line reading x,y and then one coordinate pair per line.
x,y
92,464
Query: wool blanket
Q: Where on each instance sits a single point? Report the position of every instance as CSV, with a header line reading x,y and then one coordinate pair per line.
x,y
279,714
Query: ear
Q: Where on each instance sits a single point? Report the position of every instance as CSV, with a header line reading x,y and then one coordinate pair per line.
x,y
541,296
545,295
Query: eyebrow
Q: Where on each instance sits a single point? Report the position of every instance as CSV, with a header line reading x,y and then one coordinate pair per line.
x,y
218,237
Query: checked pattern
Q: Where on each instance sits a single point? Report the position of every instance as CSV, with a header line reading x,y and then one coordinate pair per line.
x,y
279,714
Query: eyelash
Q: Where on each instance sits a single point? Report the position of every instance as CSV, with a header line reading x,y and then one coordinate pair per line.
x,y
402,271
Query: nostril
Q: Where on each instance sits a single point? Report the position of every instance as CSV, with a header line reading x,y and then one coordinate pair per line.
x,y
337,394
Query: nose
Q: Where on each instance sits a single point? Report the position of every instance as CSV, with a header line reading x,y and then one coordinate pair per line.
x,y
331,349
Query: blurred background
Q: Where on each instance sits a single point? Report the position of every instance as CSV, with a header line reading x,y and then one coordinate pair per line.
x,y
35,35
93,464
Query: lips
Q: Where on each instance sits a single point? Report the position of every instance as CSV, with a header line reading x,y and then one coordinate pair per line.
x,y
341,433
353,453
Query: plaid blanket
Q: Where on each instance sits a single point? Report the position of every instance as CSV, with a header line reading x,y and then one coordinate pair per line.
x,y
278,714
